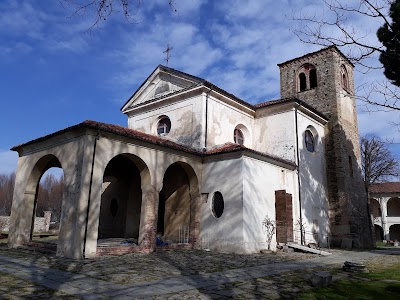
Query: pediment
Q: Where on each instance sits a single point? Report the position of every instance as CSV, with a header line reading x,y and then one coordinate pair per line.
x,y
161,82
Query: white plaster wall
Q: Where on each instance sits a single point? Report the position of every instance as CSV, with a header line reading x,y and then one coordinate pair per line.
x,y
224,233
275,134
222,121
185,116
260,181
313,181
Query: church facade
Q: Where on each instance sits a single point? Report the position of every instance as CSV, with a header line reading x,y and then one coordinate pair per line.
x,y
199,167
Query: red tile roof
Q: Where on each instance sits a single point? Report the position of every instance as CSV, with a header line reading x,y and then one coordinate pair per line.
x,y
385,187
156,140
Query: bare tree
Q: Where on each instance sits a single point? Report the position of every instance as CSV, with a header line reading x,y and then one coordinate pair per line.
x,y
336,25
378,163
101,10
7,183
50,195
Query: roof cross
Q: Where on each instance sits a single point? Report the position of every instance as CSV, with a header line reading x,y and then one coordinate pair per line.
x,y
168,53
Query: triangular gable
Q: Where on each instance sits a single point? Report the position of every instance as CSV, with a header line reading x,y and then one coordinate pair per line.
x,y
162,81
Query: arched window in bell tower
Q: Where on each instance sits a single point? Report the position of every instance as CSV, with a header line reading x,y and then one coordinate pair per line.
x,y
344,78
302,82
313,78
307,78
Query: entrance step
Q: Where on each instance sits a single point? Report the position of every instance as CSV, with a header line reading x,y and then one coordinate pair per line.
x,y
307,249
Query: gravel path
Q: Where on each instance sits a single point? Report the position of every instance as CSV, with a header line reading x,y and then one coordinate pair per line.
x,y
172,275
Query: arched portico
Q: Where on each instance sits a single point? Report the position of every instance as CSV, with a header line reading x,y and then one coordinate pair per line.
x,y
394,232
26,195
375,208
120,200
378,232
178,210
393,207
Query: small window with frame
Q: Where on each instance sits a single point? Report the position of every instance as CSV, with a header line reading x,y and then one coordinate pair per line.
x,y
163,126
238,137
309,140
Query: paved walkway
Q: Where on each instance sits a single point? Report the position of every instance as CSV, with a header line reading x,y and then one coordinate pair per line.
x,y
253,280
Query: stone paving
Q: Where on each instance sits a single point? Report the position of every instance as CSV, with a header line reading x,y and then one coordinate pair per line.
x,y
191,274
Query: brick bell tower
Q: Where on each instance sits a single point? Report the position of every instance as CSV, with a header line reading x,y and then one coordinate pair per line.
x,y
324,80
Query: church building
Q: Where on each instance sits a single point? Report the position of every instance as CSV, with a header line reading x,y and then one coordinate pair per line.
x,y
197,167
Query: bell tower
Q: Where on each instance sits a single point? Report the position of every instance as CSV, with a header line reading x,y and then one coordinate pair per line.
x,y
324,80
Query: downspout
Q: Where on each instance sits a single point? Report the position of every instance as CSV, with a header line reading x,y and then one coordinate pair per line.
x,y
90,191
206,133
298,172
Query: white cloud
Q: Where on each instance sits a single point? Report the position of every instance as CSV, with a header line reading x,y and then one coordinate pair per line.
x,y
8,161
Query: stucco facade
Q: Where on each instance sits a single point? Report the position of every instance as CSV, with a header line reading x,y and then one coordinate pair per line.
x,y
196,167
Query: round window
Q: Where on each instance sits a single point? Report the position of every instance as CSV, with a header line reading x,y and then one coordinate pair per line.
x,y
164,126
217,204
309,141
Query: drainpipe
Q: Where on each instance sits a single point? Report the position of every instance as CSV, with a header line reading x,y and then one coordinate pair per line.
x,y
90,191
206,133
298,172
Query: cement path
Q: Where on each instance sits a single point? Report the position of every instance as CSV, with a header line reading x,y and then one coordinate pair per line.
x,y
41,276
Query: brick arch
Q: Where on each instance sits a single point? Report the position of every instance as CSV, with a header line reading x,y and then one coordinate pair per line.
x,y
306,77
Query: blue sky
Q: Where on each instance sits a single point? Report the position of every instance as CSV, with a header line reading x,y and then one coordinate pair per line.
x,y
55,73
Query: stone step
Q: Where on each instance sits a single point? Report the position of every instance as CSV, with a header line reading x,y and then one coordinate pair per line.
x,y
307,249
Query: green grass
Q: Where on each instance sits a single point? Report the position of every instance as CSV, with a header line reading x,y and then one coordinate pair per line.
x,y
379,284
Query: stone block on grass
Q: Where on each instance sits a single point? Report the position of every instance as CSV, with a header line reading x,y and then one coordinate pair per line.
x,y
321,279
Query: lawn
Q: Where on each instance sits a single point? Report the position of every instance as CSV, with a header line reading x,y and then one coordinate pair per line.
x,y
380,283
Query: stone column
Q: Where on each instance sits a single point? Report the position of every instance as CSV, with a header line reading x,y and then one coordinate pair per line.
x,y
194,227
148,218
383,201
47,218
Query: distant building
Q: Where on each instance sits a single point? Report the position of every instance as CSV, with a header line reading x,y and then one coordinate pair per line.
x,y
199,167
385,209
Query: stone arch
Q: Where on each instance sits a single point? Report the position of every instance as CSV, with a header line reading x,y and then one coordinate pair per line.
x,y
394,232
125,179
375,208
379,236
393,207
178,210
30,196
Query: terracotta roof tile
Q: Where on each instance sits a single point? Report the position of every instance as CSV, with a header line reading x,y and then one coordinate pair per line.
x,y
119,130
385,187
152,139
231,147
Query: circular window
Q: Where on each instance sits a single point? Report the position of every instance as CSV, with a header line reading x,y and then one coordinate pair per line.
x,y
164,126
114,207
217,204
309,141
238,137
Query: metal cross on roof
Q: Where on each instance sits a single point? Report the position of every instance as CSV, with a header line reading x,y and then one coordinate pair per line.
x,y
168,53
